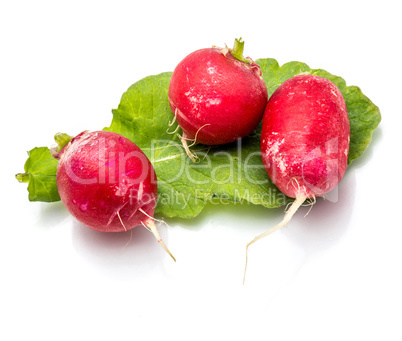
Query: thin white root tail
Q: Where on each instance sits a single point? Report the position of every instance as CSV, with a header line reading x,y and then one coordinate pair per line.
x,y
288,216
174,118
174,131
125,229
171,123
121,221
151,225
150,217
186,147
129,240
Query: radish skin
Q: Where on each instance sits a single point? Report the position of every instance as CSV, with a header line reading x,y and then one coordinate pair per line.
x,y
217,95
107,183
304,141
305,136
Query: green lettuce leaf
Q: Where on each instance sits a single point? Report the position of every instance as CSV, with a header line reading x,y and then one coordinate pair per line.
x,y
225,174
40,173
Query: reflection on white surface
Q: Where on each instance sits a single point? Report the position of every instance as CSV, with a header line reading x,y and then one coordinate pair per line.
x,y
124,255
332,275
327,221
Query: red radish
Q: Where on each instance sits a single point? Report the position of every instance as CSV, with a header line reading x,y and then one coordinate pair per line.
x,y
305,140
107,183
217,95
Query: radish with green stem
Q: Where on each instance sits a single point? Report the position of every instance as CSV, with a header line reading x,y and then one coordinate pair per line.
x,y
217,96
304,141
107,183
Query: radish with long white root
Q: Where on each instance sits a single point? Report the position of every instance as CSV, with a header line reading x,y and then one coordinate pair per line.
x,y
107,183
305,140
217,96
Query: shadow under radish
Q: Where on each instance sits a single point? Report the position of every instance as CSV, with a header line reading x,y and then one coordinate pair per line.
x,y
275,260
327,221
127,255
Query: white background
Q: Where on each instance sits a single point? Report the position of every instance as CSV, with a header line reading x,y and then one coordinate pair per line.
x,y
332,275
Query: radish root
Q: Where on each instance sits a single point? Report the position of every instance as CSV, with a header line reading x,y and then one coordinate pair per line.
x,y
311,203
171,123
187,147
172,132
121,221
288,216
150,217
150,226
174,118
129,240
125,229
